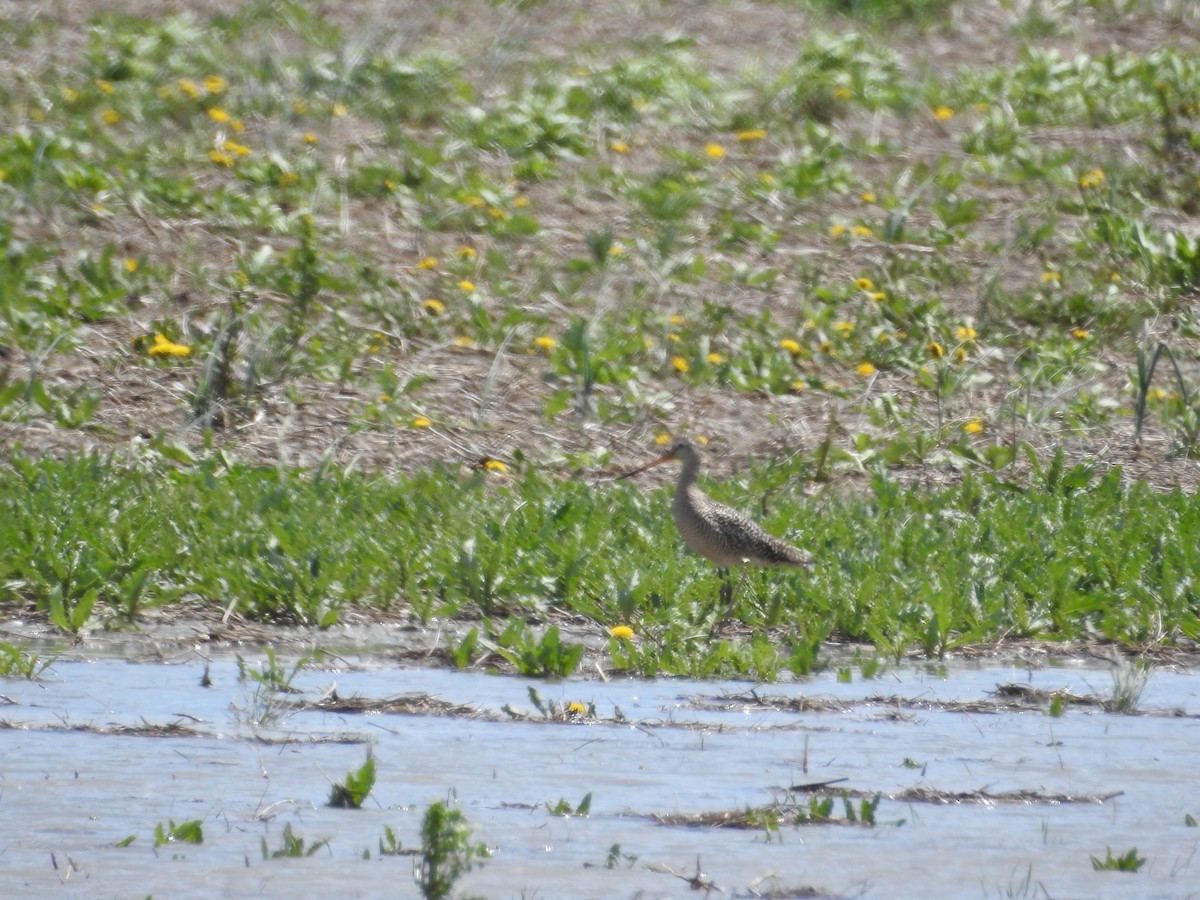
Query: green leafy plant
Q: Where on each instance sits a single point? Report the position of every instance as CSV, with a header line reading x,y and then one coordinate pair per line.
x,y
463,653
1127,862
271,674
17,662
352,793
189,832
1129,680
293,846
563,808
447,852
544,657
615,858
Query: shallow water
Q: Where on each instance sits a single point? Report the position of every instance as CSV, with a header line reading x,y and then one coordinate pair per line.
x,y
68,796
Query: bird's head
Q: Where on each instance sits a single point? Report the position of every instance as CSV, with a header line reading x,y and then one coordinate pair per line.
x,y
681,451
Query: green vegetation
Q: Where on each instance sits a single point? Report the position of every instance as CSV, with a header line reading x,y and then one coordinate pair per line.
x,y
1065,555
189,832
446,851
615,859
293,846
228,243
564,808
1128,862
353,792
17,662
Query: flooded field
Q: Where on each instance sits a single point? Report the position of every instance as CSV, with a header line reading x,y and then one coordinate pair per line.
x,y
982,791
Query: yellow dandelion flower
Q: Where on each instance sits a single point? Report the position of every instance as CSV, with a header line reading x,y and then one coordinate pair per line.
x,y
299,107
662,439
421,422
544,342
861,231
864,284
475,202
385,398
677,320
237,125
790,346
221,158
837,230
1115,278
975,426
429,262
715,359
467,252
964,333
287,179
131,265
866,370
235,148
798,385
70,94
164,346
648,343
877,296
1157,394
338,110
219,115
310,138
215,84
495,465
1080,334
943,113
936,350
714,150
845,328
674,338
1051,277
766,178
520,201
467,286
751,134
619,147
106,87
621,632
867,196
616,250
110,116
1091,179
843,93
681,365
575,708
189,87
701,440
960,356
496,213
434,307
464,341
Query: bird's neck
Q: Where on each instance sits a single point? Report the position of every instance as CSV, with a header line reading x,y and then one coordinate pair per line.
x,y
688,472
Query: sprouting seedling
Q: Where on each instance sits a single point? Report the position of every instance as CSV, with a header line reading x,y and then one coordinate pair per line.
x,y
293,846
352,793
1127,862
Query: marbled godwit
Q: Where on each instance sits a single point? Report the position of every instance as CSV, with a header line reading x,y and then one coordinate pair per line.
x,y
718,533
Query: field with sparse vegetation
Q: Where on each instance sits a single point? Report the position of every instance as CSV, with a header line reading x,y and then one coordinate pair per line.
x,y
314,313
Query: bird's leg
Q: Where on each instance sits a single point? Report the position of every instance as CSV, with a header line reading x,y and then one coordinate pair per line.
x,y
726,592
